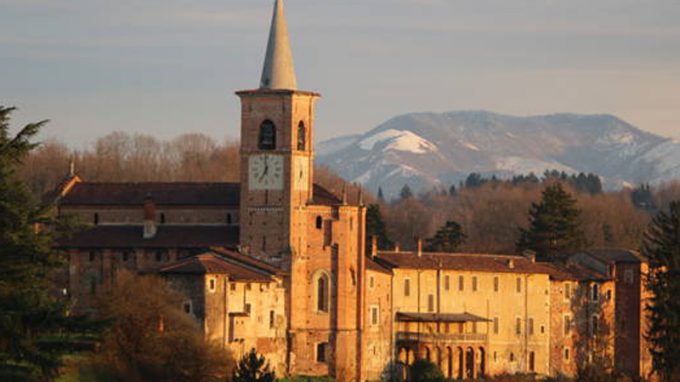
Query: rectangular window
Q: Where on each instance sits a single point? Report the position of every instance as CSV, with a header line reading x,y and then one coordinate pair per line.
x,y
567,291
519,285
248,308
474,283
518,326
474,327
212,284
272,319
321,352
371,282
447,282
375,315
430,303
567,325
461,327
530,325
461,283
232,286
566,354
495,325
407,287
595,292
496,284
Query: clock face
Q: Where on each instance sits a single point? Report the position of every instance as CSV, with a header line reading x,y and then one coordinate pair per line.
x,y
301,173
265,172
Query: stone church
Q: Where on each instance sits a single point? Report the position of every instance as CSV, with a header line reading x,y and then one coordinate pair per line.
x,y
278,263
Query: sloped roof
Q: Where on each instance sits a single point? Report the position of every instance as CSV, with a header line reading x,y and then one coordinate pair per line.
x,y
439,317
461,261
211,263
373,265
615,255
168,194
249,260
163,193
167,236
324,197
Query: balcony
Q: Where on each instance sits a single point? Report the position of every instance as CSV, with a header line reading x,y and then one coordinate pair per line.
x,y
442,337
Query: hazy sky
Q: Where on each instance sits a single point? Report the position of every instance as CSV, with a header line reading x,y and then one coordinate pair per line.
x,y
165,67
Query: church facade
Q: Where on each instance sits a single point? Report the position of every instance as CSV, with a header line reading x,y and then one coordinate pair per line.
x,y
279,264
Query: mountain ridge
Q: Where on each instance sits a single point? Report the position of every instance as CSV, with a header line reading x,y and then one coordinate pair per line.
x,y
434,150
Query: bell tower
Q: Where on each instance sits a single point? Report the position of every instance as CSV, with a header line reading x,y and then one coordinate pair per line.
x,y
277,157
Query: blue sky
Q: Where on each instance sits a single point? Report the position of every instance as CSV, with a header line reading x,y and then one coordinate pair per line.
x,y
165,67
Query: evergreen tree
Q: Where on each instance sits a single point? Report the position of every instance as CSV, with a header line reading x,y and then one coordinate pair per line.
x,y
447,239
35,328
406,192
381,196
253,368
555,224
662,247
452,190
375,226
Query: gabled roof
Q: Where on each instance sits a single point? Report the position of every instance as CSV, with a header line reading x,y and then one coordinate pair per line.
x,y
615,255
167,236
324,197
211,263
163,193
439,317
460,261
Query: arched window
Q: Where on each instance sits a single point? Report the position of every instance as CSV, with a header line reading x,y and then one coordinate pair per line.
x,y
301,137
322,285
267,138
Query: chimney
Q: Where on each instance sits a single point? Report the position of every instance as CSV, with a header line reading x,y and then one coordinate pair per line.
x,y
344,193
374,246
511,264
361,197
72,168
397,247
419,246
149,217
529,254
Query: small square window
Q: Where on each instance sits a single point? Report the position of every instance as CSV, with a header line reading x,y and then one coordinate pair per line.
x,y
232,286
188,307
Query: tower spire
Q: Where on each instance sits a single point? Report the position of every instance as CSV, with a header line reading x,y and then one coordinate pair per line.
x,y
278,71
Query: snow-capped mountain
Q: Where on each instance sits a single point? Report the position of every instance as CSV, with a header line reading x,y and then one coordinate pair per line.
x,y
426,150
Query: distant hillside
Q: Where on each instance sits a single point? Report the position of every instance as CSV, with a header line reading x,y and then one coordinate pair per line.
x,y
428,150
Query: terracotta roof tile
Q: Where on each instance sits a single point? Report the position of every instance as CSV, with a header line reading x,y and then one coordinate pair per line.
x,y
210,263
373,265
461,261
163,193
167,236
324,197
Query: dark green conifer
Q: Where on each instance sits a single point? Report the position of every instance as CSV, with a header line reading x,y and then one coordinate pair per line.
x,y
662,247
375,226
554,224
253,368
448,238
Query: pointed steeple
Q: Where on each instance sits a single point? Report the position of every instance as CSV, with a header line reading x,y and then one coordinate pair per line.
x,y
278,71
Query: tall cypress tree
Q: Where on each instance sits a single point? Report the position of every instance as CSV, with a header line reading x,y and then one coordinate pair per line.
x,y
35,327
375,226
662,247
555,224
